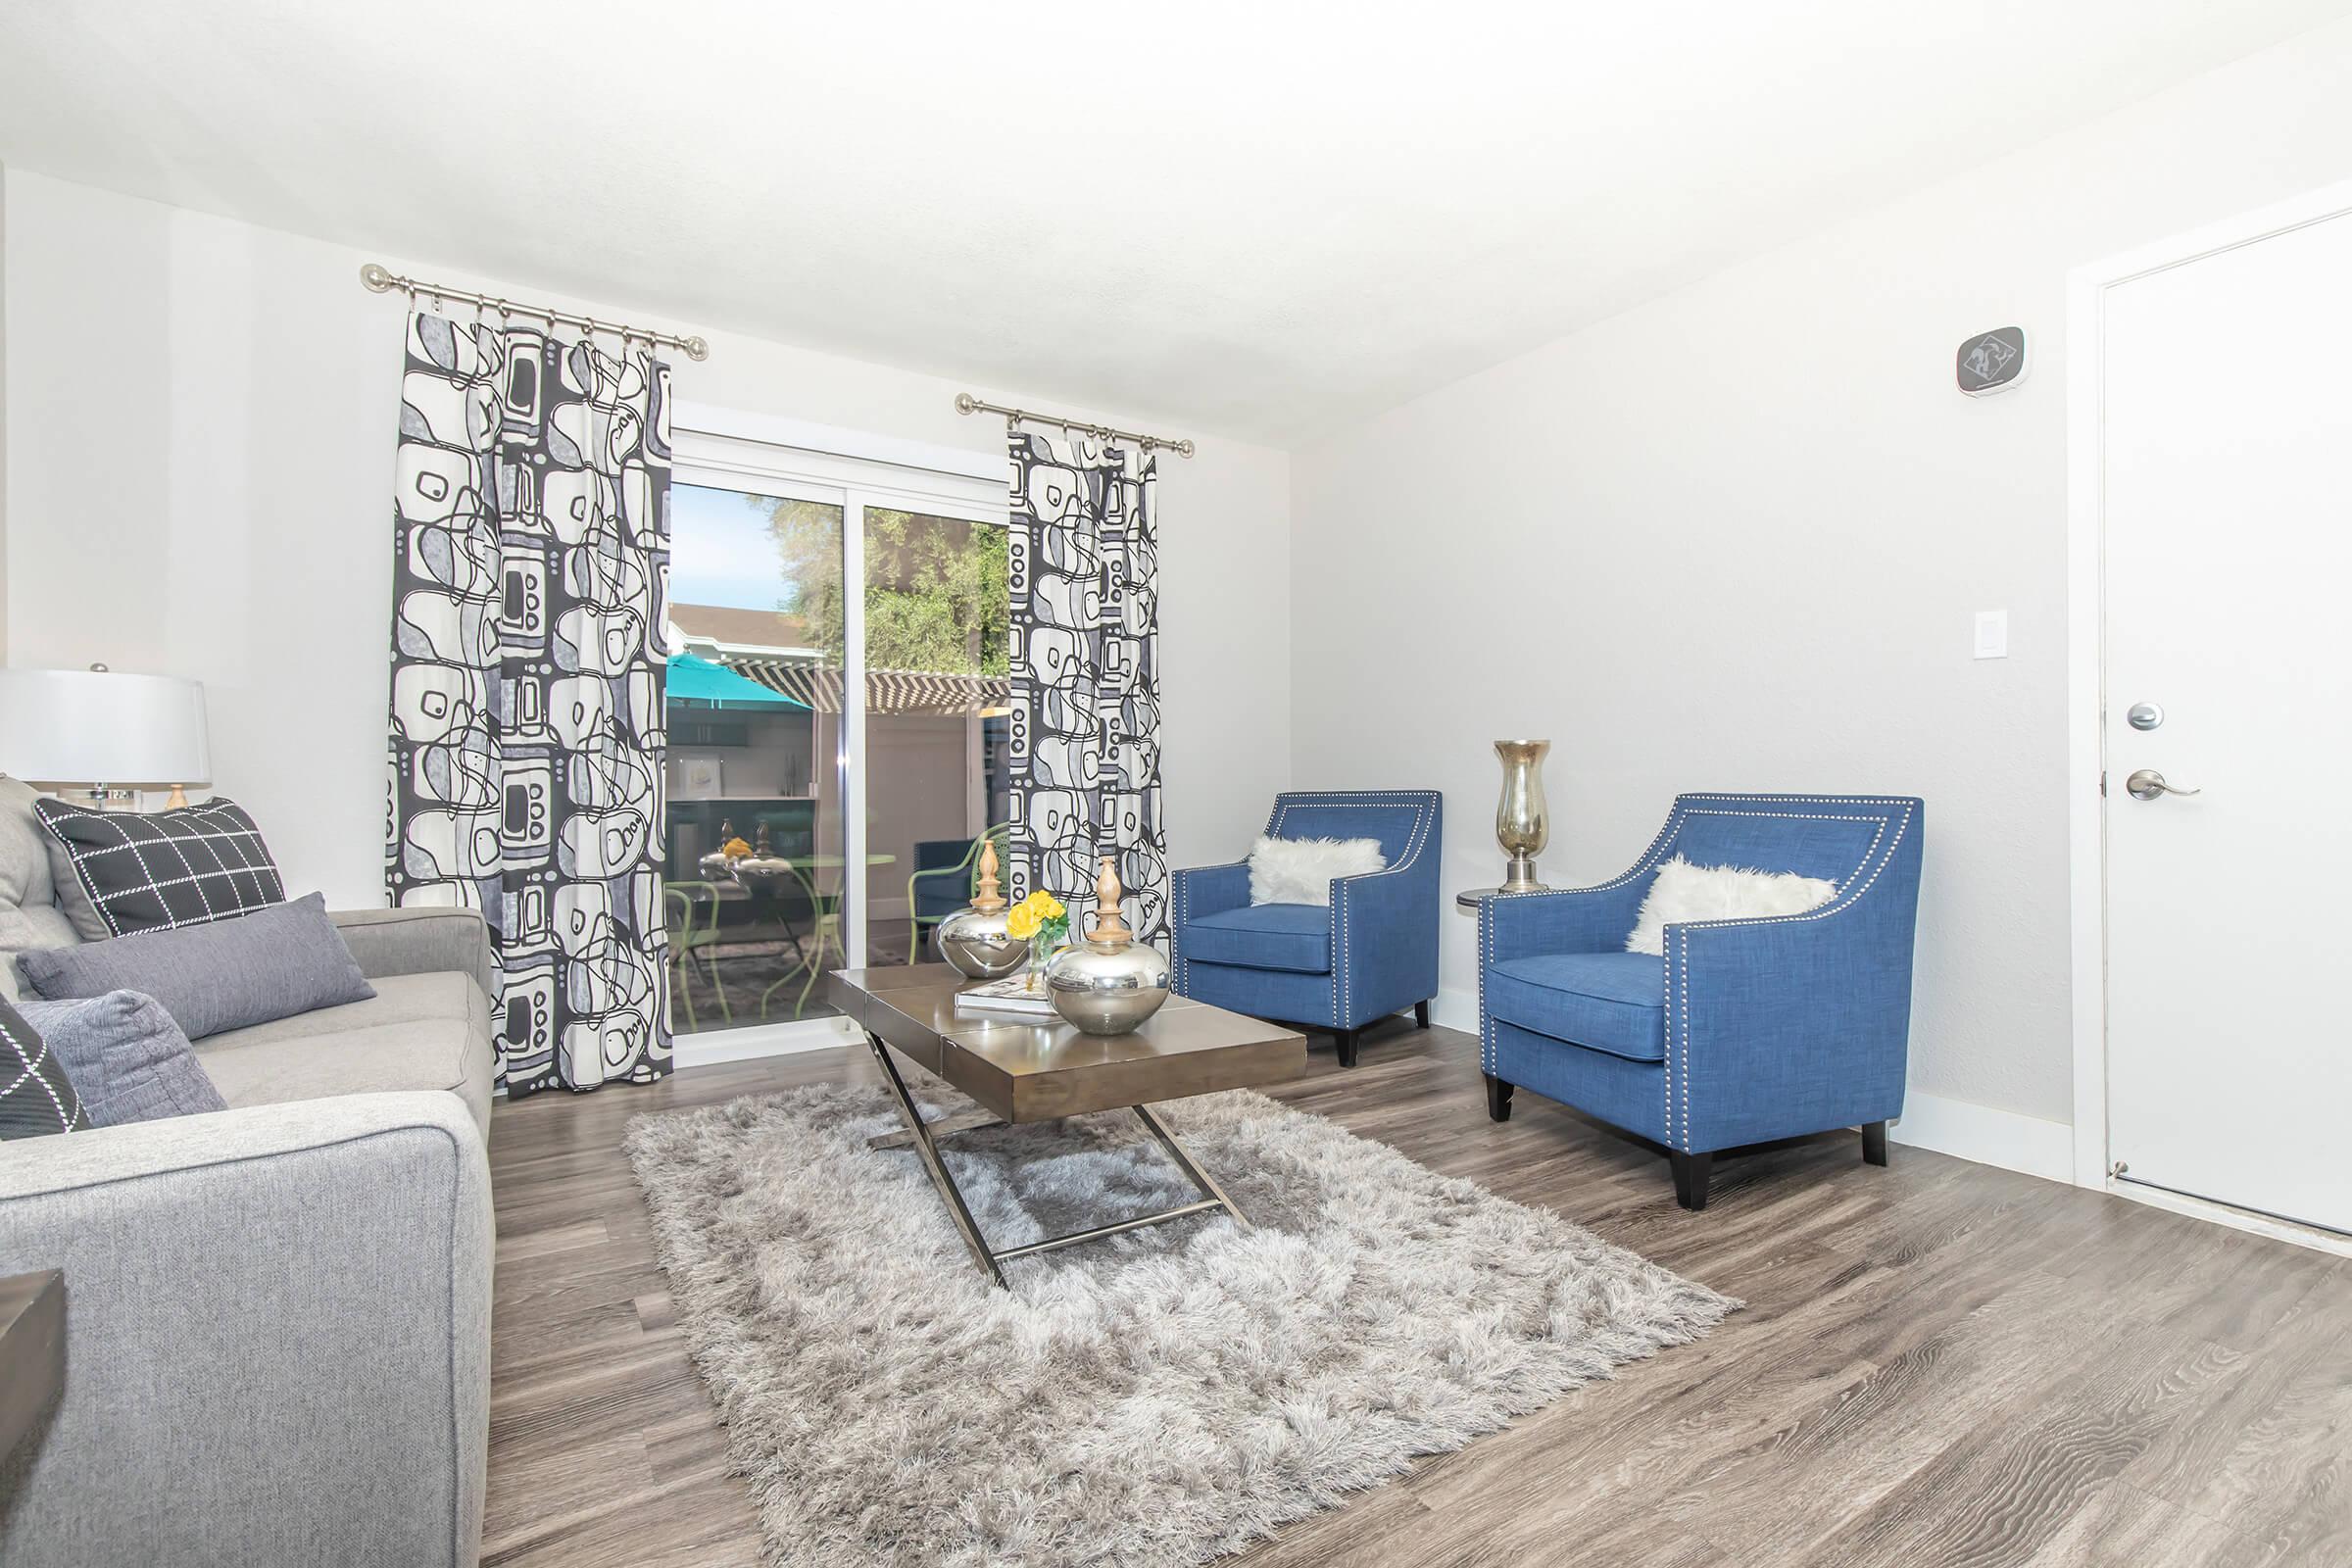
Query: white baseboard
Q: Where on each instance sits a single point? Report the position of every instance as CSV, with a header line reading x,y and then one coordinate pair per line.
x,y
765,1040
1456,1010
1989,1137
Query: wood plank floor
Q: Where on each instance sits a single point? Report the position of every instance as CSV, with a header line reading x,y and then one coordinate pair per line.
x,y
1940,1364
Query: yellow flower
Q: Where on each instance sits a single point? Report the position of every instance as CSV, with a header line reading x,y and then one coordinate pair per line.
x,y
1023,922
1047,906
734,848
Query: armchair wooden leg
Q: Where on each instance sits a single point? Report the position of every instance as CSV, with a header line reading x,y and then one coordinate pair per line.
x,y
1421,1013
1691,1172
1873,1143
1347,1043
1498,1098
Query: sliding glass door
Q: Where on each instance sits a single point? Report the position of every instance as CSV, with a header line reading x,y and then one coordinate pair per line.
x,y
937,614
837,711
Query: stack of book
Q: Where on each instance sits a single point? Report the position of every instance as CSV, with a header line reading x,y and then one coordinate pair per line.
x,y
1013,996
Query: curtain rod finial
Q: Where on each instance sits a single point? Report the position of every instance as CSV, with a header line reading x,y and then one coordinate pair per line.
x,y
965,403
697,349
377,278
1184,446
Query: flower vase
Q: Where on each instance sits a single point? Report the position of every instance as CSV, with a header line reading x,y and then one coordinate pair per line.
x,y
1040,955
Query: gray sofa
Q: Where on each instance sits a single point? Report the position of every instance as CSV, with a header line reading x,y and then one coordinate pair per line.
x,y
279,1315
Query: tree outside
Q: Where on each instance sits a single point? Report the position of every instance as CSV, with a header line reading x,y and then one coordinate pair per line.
x,y
936,592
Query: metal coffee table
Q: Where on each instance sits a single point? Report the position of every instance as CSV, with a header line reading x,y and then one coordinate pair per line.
x,y
1019,1071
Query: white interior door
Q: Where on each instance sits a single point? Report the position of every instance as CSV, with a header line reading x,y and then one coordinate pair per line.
x,y
2227,518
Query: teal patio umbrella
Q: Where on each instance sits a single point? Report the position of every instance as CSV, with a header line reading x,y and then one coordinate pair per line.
x,y
698,680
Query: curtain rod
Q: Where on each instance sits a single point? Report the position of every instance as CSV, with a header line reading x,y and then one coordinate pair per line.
x,y
381,280
965,403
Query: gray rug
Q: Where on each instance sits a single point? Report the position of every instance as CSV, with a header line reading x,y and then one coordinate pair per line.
x,y
1153,1399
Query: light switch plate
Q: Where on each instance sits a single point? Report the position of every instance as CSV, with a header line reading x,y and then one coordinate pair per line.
x,y
1992,634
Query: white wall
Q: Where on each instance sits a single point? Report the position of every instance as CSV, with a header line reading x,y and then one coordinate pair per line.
x,y
199,480
1734,539
3,412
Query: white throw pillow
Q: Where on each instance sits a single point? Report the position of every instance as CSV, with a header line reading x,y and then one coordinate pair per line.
x,y
1686,892
1299,870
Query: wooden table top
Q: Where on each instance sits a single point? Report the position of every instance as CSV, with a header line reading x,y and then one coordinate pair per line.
x,y
1023,1071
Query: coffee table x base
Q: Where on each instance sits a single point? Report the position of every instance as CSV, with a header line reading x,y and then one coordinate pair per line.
x,y
924,1137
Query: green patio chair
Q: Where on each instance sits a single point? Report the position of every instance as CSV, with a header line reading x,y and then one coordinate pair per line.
x,y
685,941
942,884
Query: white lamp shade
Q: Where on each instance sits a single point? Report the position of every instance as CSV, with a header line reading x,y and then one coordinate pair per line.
x,y
87,727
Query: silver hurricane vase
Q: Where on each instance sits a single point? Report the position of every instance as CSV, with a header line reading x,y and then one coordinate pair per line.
x,y
1521,820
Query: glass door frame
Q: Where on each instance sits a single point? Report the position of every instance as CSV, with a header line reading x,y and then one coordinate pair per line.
x,y
795,460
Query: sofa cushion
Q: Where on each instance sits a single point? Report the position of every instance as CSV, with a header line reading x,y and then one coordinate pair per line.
x,y
36,1098
1612,1002
1302,870
277,962
158,870
30,917
1293,937
418,1031
128,1059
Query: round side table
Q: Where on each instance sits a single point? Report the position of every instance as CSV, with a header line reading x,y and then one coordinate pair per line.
x,y
1469,897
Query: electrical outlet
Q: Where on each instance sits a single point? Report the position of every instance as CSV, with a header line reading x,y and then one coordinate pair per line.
x,y
1992,634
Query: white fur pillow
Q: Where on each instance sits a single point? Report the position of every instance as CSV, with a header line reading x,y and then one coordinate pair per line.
x,y
1299,870
1686,892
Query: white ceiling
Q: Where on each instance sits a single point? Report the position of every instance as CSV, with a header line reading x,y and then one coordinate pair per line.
x,y
1254,219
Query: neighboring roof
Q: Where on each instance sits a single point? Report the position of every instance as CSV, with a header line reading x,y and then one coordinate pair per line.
x,y
734,627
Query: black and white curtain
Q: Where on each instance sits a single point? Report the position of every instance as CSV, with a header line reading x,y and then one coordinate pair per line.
x,y
530,585
1085,728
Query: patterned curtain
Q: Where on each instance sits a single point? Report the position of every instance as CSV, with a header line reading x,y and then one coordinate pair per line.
x,y
1085,728
530,585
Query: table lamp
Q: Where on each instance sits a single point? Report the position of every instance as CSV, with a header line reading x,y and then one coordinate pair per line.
x,y
102,732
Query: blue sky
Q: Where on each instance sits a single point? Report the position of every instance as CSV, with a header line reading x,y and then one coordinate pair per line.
x,y
720,552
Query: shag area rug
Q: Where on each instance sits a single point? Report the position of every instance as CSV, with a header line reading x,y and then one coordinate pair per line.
x,y
1156,1398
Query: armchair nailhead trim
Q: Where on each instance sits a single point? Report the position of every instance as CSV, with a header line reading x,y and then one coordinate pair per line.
x,y
1181,895
1485,958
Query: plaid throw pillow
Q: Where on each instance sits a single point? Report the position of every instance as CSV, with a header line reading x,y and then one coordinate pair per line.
x,y
164,870
36,1097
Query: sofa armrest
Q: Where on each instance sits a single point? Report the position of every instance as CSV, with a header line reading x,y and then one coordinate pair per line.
x,y
277,1328
1597,919
1787,1024
1207,889
421,941
1384,939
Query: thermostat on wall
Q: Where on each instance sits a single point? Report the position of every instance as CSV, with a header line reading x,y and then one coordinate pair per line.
x,y
1992,361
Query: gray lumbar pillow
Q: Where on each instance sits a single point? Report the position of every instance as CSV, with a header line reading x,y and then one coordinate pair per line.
x,y
124,1057
231,975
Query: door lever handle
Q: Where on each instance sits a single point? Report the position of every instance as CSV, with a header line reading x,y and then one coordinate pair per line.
x,y
2148,785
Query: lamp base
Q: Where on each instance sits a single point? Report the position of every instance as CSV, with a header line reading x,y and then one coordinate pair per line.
x,y
1519,876
99,798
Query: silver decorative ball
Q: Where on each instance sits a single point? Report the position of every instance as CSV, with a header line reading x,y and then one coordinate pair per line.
x,y
1108,988
977,944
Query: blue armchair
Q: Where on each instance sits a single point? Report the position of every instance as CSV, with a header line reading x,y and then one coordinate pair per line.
x,y
1746,1030
1373,951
